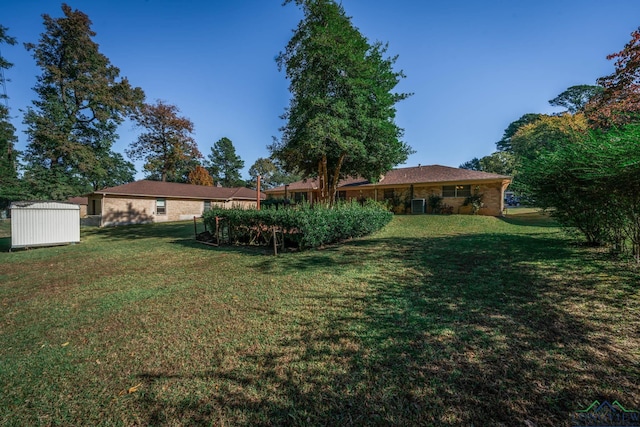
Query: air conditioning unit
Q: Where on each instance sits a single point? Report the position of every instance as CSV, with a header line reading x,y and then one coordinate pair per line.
x,y
418,206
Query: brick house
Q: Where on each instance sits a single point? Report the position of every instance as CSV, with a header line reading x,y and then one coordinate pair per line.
x,y
155,201
82,202
412,186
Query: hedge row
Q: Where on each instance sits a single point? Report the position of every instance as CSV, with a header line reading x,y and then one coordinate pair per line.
x,y
306,225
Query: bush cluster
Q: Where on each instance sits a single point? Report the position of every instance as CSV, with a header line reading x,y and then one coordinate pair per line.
x,y
307,226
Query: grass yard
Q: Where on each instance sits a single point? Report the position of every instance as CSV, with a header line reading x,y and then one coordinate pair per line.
x,y
435,320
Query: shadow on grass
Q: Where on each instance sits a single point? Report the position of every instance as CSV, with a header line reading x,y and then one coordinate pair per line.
x,y
472,329
182,229
5,244
531,219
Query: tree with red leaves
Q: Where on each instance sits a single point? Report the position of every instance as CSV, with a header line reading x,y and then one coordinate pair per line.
x,y
200,176
619,102
167,144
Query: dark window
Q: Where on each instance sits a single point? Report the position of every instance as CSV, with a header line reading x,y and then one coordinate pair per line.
x,y
299,197
161,206
456,190
388,194
342,195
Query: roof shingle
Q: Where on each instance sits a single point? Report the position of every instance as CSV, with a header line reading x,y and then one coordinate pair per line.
x,y
404,176
174,189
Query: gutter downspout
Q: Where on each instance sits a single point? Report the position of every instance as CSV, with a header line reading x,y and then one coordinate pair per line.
x,y
102,209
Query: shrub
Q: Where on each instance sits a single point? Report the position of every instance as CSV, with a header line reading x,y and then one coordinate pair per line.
x,y
435,203
474,200
304,225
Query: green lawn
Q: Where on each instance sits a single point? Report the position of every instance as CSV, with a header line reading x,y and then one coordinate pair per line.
x,y
5,230
435,320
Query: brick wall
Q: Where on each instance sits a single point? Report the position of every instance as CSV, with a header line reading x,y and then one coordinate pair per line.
x,y
121,211
140,210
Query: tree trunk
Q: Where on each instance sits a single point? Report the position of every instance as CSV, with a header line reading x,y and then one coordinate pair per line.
x,y
323,179
335,180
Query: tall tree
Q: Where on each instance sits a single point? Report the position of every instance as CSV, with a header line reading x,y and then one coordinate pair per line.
x,y
9,183
500,162
81,101
166,145
224,164
200,176
340,120
619,102
271,174
575,98
505,143
473,165
548,133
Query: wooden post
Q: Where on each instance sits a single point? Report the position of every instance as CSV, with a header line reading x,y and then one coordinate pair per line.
x,y
258,194
275,242
195,228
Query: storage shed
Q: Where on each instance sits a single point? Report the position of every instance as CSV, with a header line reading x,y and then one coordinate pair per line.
x,y
44,223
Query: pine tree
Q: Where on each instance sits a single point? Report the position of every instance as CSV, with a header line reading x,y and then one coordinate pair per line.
x,y
72,125
340,120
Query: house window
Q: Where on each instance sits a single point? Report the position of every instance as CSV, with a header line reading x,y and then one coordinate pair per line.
x,y
207,205
161,207
456,190
342,195
299,197
388,194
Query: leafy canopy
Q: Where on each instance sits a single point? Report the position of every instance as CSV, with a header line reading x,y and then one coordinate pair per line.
x,y
548,133
271,174
224,164
166,145
200,176
72,125
340,119
9,184
619,102
575,98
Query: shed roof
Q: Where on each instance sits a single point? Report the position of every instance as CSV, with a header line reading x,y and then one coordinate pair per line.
x,y
146,188
44,204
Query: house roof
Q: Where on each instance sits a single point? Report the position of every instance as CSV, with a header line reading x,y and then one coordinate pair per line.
x,y
146,188
404,176
435,173
78,200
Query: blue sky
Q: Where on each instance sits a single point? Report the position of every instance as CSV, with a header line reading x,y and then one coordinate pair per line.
x,y
473,66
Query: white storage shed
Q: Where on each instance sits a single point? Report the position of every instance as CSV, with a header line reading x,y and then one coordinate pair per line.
x,y
44,224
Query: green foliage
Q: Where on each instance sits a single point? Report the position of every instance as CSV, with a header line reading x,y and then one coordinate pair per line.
x,y
271,174
340,120
505,143
500,162
474,200
593,185
275,203
71,127
547,134
306,225
224,164
575,98
10,188
434,203
473,165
